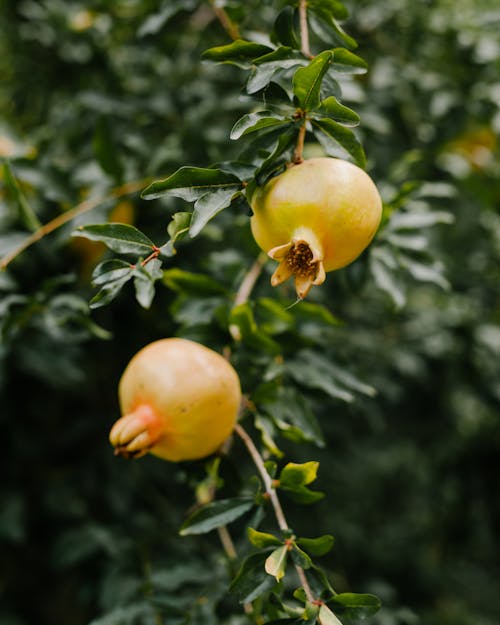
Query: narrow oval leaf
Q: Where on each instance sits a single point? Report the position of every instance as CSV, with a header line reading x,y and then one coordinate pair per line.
x,y
284,28
239,52
177,228
193,283
356,605
209,205
307,80
331,131
333,7
294,474
26,214
190,183
261,539
331,107
121,238
300,558
317,546
215,515
327,617
275,564
251,581
256,121
110,270
347,62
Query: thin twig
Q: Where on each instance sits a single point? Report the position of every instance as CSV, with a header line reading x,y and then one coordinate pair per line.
x,y
229,26
64,218
245,289
299,147
304,31
273,498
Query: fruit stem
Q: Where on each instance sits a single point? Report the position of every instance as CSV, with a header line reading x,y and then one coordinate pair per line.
x,y
273,498
304,32
299,147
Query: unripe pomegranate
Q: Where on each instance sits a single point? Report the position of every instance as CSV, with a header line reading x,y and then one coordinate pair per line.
x,y
315,217
179,399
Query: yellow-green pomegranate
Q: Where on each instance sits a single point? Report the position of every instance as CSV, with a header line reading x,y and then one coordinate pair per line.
x,y
315,217
179,401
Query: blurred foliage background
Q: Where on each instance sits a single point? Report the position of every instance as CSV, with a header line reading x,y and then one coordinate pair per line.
x,y
97,94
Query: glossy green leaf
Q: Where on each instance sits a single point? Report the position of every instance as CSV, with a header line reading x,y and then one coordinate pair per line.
x,y
26,214
191,184
252,581
357,606
267,432
209,205
328,28
331,107
284,28
347,62
194,283
239,52
327,617
328,131
261,540
294,474
109,292
216,514
317,546
300,558
275,564
256,121
264,73
177,229
332,7
243,318
110,270
144,281
307,81
120,238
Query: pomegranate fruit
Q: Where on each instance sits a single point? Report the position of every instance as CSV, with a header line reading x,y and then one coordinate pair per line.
x,y
179,399
315,217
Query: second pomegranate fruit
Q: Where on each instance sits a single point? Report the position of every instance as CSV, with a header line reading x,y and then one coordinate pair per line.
x,y
315,217
179,401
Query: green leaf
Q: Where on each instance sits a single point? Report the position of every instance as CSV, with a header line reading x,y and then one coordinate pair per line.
x,y
243,318
252,581
106,150
262,540
267,431
144,281
424,273
155,22
327,27
327,617
347,62
383,271
307,81
317,546
210,205
264,73
275,564
111,270
357,606
300,558
191,183
333,7
109,292
177,229
26,213
193,283
239,52
294,474
215,515
415,221
331,107
120,238
284,28
256,121
330,131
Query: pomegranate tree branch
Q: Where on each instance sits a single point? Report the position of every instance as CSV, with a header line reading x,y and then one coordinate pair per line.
x,y
246,288
273,498
299,146
304,31
64,218
229,26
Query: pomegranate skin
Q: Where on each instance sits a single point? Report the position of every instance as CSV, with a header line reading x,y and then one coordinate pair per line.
x,y
325,204
180,401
